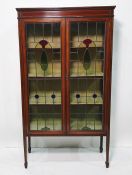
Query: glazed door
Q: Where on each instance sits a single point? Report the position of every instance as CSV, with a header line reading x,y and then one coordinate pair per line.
x,y
45,75
85,75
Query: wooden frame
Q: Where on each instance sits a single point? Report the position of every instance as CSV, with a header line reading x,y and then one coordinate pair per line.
x,y
65,16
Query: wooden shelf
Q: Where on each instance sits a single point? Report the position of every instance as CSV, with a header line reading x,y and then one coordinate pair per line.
x,y
73,76
59,48
99,76
92,75
43,78
44,104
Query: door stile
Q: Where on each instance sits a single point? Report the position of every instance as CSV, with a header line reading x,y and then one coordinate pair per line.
x,y
24,90
63,68
67,76
25,94
108,69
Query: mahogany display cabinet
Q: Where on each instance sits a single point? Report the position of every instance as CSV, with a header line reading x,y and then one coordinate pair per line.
x,y
66,60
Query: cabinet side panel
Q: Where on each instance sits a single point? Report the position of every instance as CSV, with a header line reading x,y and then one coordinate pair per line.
x,y
23,68
108,69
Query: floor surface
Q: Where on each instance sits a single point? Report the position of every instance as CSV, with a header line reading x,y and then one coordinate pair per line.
x,y
65,161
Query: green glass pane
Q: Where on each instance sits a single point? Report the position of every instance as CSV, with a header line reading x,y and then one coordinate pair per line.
x,y
87,60
44,61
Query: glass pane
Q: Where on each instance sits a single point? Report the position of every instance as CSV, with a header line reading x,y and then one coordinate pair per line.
x,y
86,75
86,91
44,75
45,119
47,91
86,118
43,43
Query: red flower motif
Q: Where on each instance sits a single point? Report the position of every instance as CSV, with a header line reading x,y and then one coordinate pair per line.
x,y
43,43
87,42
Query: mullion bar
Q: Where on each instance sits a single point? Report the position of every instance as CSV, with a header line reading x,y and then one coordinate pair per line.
x,y
37,124
52,32
87,30
43,31
96,29
34,33
78,33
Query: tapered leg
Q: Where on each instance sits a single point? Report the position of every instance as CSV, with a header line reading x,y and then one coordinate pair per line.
x,y
25,150
101,144
107,150
29,144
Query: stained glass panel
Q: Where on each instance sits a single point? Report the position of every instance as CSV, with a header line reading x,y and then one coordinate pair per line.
x,y
44,75
87,41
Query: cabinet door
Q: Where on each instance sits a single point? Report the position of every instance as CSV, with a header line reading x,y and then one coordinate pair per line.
x,y
85,72
45,72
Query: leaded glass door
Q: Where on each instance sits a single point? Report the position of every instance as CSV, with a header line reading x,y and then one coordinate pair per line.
x,y
45,64
85,72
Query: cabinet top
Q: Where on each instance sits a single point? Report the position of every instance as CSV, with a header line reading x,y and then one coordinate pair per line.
x,y
91,11
66,8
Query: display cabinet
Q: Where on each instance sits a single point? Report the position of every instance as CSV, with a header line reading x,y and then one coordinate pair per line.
x,y
66,58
